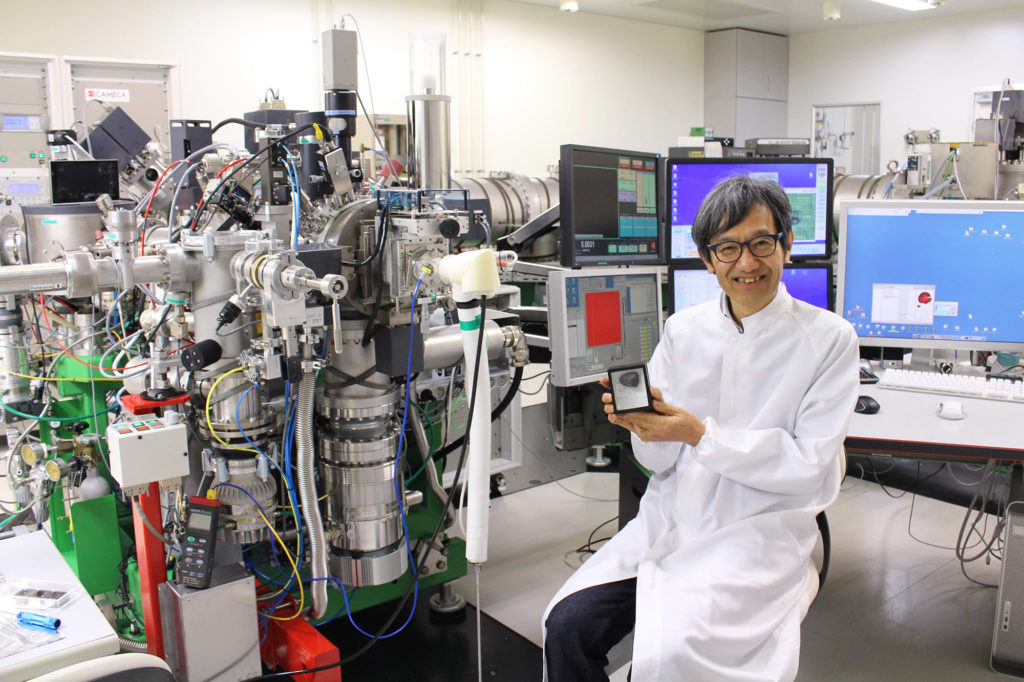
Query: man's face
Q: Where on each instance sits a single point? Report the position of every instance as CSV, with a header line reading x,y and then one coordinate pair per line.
x,y
751,281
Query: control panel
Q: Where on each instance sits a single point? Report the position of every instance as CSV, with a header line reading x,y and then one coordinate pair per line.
x,y
147,451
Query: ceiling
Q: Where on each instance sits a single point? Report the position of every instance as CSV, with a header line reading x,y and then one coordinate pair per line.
x,y
775,16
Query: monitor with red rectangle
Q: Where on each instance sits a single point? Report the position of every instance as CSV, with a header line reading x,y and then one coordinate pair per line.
x,y
602,318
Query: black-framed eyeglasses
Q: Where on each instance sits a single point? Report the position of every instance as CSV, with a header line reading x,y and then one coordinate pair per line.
x,y
760,246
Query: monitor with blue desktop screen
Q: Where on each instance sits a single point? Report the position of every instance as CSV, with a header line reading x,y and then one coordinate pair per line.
x,y
933,274
693,284
807,182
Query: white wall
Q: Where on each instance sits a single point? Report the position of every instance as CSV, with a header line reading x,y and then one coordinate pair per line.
x,y
549,77
554,78
923,74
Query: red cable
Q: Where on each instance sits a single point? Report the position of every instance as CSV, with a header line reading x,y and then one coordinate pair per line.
x,y
220,173
145,217
71,355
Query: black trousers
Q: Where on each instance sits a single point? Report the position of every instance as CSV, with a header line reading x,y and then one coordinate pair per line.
x,y
583,627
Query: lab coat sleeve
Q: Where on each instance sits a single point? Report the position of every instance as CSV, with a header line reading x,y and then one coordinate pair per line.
x,y
659,457
776,461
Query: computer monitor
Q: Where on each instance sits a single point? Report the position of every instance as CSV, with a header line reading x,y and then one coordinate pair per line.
x,y
932,274
610,213
807,182
693,284
77,181
601,318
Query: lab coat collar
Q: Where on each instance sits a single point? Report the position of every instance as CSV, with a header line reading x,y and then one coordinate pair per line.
x,y
762,318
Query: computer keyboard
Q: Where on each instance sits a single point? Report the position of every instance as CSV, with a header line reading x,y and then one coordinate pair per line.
x,y
867,376
963,385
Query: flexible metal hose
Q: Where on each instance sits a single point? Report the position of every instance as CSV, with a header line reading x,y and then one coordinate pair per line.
x,y
131,646
307,493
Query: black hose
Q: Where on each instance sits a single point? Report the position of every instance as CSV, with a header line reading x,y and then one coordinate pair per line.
x,y
517,379
240,121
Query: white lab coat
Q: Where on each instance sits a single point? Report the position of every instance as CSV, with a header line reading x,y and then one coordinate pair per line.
x,y
722,542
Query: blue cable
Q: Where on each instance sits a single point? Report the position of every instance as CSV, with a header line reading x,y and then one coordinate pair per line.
x,y
290,488
293,179
245,492
398,492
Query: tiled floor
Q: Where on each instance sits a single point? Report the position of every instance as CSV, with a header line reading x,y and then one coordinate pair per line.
x,y
893,608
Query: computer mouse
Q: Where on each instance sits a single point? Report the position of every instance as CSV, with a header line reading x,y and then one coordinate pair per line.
x,y
866,405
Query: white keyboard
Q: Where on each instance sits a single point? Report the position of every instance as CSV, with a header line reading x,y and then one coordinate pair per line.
x,y
963,385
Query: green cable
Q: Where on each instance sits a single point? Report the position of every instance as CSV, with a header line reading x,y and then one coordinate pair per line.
x,y
430,444
8,520
23,415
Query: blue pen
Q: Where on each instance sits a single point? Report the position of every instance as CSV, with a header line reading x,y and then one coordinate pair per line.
x,y
28,618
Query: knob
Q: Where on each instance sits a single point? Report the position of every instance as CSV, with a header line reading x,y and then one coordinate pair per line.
x,y
200,355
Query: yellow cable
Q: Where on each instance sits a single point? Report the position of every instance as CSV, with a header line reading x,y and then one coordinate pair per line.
x,y
209,422
295,572
209,425
26,376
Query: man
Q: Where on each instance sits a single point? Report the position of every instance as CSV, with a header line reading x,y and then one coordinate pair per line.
x,y
713,571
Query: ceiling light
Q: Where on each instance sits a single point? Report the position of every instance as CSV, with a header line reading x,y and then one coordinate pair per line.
x,y
830,10
910,5
569,6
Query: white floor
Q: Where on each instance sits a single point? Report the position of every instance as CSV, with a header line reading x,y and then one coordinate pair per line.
x,y
893,608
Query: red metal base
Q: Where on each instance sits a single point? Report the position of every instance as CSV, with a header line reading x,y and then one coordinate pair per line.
x,y
297,645
152,569
138,405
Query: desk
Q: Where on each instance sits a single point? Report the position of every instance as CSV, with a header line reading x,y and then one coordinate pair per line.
x,y
87,634
907,425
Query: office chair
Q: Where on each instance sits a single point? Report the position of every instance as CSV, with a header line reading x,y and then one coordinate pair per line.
x,y
114,668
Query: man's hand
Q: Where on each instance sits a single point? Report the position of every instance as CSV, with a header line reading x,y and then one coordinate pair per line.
x,y
665,423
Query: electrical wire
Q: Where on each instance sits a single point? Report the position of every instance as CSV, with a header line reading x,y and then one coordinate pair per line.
x,y
397,477
259,152
209,421
437,530
287,554
288,487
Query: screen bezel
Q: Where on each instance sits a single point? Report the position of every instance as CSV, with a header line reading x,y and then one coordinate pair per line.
x,y
699,265
567,254
558,318
882,342
830,229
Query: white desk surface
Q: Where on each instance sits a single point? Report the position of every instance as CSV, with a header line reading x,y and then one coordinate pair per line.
x,y
908,422
87,634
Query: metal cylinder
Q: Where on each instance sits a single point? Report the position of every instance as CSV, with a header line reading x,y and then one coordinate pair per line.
x,y
340,111
430,164
442,346
20,279
313,180
247,526
213,287
857,187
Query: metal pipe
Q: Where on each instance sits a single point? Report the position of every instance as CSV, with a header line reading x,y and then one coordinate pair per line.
x,y
442,346
420,434
20,279
307,492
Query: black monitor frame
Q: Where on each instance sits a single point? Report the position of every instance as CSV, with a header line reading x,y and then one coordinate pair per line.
x,y
567,253
697,265
78,181
830,228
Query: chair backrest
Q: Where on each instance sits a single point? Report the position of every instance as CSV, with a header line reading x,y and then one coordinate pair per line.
x,y
116,668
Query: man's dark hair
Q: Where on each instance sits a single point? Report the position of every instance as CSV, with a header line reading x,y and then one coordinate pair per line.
x,y
730,201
